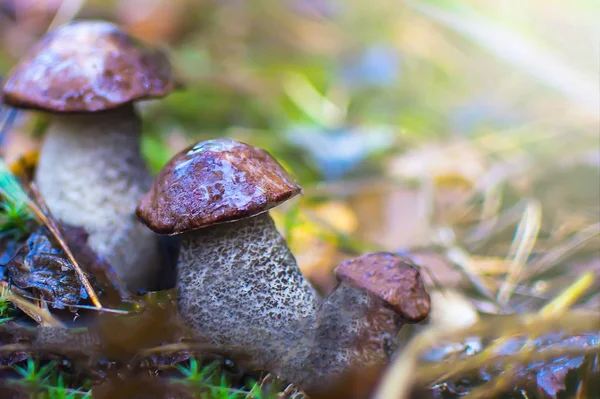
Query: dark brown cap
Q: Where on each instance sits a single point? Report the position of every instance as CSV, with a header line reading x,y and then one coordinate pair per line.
x,y
87,66
212,182
390,278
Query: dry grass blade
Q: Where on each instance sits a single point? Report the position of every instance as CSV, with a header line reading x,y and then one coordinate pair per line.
x,y
41,212
486,229
552,257
67,11
41,315
457,255
569,296
525,239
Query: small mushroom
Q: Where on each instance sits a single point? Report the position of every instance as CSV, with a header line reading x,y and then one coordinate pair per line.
x,y
90,171
238,283
356,326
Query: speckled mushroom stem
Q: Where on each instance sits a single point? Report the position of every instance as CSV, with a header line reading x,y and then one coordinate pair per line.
x,y
239,284
351,330
91,174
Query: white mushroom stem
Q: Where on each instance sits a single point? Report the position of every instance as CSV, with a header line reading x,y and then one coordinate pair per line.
x,y
239,284
91,174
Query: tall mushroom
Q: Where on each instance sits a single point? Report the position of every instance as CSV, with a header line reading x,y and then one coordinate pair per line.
x,y
90,170
237,281
356,326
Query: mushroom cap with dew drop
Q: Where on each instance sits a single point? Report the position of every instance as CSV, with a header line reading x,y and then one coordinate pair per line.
x,y
238,284
87,66
390,278
215,181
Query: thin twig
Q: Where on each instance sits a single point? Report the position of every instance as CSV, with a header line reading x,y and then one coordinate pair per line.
x,y
78,306
51,225
569,296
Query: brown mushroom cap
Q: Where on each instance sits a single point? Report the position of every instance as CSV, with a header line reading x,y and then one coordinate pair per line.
x,y
212,182
87,66
390,278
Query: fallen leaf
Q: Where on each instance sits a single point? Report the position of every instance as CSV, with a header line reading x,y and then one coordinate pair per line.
x,y
43,267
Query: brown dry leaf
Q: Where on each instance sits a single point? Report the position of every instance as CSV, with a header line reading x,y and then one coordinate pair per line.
x,y
42,266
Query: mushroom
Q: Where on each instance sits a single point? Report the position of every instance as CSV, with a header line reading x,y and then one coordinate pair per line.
x,y
356,326
237,281
90,171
